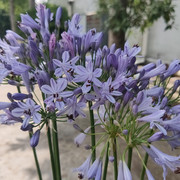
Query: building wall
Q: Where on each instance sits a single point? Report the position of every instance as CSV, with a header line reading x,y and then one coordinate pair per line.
x,y
156,43
164,45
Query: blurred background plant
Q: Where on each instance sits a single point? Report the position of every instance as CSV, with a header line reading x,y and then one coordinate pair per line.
x,y
124,14
10,14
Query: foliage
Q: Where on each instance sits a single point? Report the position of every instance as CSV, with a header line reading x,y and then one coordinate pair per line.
x,y
4,22
124,14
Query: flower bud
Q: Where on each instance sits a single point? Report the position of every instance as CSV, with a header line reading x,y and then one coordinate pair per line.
x,y
156,137
117,106
58,17
139,97
35,139
111,158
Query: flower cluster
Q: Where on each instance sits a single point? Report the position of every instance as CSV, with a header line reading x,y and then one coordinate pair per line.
x,y
131,104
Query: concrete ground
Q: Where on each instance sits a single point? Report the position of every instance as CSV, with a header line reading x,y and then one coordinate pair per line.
x,y
16,158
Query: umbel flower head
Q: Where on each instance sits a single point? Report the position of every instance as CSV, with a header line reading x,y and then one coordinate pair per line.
x,y
74,70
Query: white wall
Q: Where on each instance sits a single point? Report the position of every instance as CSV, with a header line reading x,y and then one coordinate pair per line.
x,y
165,45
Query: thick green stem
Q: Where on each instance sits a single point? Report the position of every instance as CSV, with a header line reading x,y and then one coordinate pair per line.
x,y
130,151
145,163
93,138
51,151
56,149
36,160
106,162
115,159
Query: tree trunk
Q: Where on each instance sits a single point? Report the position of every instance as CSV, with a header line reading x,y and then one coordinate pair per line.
x,y
31,4
118,38
11,14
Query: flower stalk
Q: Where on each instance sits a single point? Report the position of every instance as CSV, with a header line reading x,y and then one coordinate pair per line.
x,y
93,136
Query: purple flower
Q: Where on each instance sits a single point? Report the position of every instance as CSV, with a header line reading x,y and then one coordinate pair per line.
x,y
83,169
3,72
73,26
92,172
99,171
73,108
78,140
21,96
108,90
55,92
176,85
4,105
42,77
149,175
154,119
172,69
156,137
68,43
131,52
154,72
52,44
34,52
29,21
173,124
35,139
163,159
88,75
123,171
28,109
58,17
66,67
176,109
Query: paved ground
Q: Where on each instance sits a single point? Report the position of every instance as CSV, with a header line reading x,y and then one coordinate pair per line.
x,y
17,163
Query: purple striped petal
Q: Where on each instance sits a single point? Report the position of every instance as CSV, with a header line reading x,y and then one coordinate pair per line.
x,y
97,72
65,56
61,84
80,70
66,93
37,118
47,89
17,112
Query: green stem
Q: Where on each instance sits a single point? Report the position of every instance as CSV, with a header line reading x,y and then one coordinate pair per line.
x,y
115,159
130,150
51,151
145,162
36,159
56,148
93,138
106,162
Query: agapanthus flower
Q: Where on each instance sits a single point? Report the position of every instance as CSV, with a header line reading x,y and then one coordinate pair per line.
x,y
79,139
123,171
149,175
29,21
58,16
74,28
7,118
88,75
3,72
108,90
66,67
154,72
29,110
83,169
93,170
73,108
56,92
35,139
172,69
163,159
